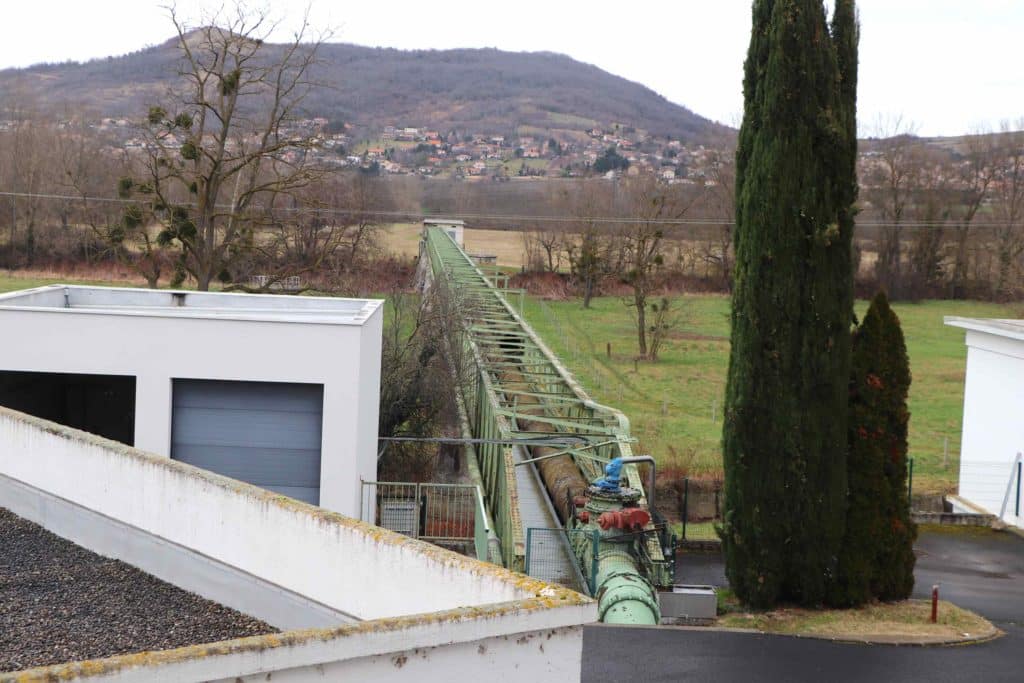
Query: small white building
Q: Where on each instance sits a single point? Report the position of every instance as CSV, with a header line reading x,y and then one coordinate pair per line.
x,y
453,226
993,424
278,391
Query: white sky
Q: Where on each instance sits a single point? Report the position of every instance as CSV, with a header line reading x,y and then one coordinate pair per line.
x,y
948,66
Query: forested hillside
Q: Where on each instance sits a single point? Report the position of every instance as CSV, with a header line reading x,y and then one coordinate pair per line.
x,y
471,90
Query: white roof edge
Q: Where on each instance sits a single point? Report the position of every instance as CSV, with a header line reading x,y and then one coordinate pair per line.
x,y
1011,329
310,316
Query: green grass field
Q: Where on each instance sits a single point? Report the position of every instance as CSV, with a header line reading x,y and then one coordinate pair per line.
x,y
675,404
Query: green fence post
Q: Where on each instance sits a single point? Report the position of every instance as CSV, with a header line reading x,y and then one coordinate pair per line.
x,y
910,480
686,504
526,561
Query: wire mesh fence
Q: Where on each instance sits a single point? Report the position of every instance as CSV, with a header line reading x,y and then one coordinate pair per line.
x,y
701,509
549,557
439,513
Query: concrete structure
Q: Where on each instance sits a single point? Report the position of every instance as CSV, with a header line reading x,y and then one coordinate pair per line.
x,y
453,226
993,425
378,606
278,390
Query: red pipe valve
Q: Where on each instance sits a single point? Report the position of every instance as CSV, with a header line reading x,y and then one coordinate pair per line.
x,y
627,519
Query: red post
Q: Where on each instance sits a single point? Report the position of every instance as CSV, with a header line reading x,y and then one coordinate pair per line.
x,y
935,603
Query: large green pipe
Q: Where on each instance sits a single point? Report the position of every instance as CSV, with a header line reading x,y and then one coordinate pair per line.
x,y
623,597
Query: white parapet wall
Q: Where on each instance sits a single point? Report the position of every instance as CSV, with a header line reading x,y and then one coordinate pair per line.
x,y
422,611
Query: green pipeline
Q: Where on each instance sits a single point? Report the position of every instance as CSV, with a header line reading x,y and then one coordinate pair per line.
x,y
623,596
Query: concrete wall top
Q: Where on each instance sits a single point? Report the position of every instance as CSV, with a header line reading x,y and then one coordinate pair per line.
x,y
411,596
187,304
351,566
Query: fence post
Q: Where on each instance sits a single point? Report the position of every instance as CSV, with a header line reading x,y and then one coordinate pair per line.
x,y
419,511
686,503
526,561
1017,511
910,479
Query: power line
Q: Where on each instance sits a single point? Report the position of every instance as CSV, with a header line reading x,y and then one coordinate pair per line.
x,y
511,218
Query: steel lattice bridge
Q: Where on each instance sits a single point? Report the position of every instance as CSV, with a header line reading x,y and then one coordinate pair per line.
x,y
535,443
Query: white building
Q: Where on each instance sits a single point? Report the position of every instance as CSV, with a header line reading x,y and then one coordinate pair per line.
x,y
993,425
278,391
453,226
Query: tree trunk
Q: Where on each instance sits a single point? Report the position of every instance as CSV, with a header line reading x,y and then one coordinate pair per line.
x,y
641,323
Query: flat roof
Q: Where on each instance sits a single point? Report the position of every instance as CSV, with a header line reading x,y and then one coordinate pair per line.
x,y
60,602
443,221
188,304
1001,327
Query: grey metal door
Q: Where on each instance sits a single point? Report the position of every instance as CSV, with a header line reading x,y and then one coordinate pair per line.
x,y
265,433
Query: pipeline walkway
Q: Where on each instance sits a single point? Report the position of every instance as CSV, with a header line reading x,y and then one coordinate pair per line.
x,y
519,394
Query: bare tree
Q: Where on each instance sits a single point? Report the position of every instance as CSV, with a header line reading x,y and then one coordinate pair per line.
x,y
542,245
1008,193
421,373
976,172
587,242
892,182
25,173
125,230
720,202
650,205
933,204
227,147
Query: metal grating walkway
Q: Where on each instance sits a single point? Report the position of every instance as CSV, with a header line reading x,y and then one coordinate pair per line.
x,y
559,562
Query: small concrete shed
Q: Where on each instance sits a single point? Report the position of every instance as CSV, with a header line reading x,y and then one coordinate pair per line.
x,y
278,391
453,226
993,424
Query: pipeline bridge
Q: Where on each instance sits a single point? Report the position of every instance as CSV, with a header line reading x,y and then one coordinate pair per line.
x,y
536,445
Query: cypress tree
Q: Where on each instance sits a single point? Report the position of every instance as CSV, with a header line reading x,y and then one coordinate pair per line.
x,y
884,393
784,439
877,556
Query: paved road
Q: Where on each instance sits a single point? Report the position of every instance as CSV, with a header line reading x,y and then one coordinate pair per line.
x,y
981,571
649,655
984,572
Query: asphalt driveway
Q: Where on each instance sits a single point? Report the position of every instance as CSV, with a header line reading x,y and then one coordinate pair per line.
x,y
979,569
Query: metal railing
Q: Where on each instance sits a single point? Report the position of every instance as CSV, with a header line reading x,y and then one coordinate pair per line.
x,y
545,559
443,514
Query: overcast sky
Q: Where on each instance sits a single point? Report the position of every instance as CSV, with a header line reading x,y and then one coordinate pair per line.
x,y
949,66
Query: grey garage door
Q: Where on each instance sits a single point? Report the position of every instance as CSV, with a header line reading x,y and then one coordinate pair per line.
x,y
265,433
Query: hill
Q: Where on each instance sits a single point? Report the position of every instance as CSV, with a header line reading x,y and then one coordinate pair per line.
x,y
473,90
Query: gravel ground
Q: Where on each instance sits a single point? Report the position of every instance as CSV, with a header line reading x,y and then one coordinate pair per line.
x,y
60,602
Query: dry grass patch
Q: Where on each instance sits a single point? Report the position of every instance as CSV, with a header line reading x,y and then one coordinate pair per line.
x,y
403,239
880,622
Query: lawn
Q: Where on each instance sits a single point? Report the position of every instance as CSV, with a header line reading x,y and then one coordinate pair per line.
x,y
905,621
675,404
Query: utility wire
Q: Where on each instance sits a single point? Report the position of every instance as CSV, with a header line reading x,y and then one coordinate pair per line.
x,y
515,218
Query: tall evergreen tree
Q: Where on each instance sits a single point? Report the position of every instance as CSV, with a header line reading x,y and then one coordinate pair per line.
x,y
786,398
880,358
877,557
